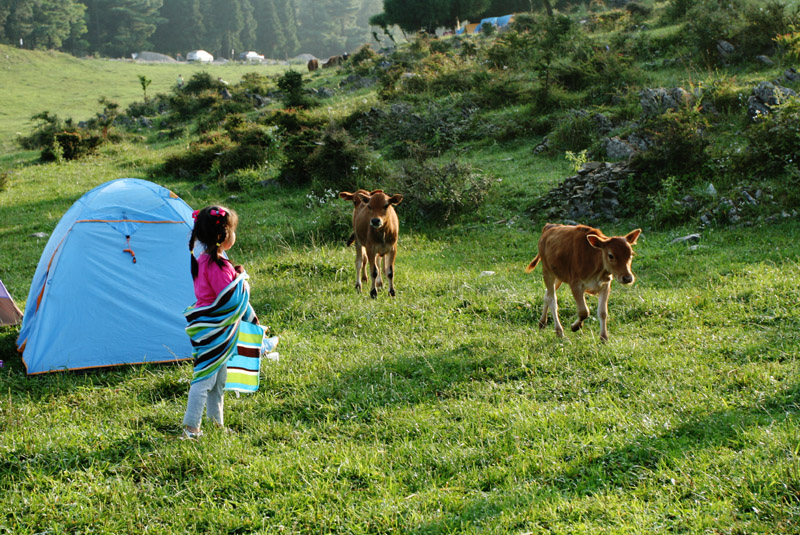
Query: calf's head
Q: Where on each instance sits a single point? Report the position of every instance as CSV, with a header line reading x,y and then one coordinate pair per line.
x,y
378,205
617,254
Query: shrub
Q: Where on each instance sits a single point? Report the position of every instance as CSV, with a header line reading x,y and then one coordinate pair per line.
x,y
578,131
254,82
676,158
339,163
70,146
254,146
201,82
296,153
438,193
773,141
291,83
363,55
59,140
789,43
199,160
243,179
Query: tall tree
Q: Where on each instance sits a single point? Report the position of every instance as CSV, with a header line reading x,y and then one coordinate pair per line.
x,y
413,15
182,28
231,26
324,25
120,27
41,23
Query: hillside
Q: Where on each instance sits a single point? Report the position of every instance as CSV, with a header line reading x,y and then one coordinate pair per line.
x,y
444,409
36,81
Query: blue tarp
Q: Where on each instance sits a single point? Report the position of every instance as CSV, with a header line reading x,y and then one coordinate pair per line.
x,y
90,305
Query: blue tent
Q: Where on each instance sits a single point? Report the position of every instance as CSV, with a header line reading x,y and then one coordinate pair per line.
x,y
112,283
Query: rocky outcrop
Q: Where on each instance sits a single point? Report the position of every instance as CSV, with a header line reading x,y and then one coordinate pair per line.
x,y
591,195
765,96
659,100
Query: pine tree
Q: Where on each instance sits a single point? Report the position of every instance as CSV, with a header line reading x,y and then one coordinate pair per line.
x,y
120,27
182,29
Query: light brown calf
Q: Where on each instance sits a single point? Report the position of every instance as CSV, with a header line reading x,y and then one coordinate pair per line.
x,y
313,65
375,228
587,260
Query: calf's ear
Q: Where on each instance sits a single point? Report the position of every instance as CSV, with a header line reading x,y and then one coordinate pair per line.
x,y
596,241
364,198
395,199
346,195
633,235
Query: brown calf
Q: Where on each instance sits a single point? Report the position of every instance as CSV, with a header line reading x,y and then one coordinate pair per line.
x,y
587,260
313,65
376,228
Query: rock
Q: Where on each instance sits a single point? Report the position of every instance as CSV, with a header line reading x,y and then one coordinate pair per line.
x,y
766,60
711,190
749,198
791,74
765,95
691,238
659,100
617,149
39,235
725,49
487,273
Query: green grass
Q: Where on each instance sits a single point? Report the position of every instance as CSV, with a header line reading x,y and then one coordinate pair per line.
x,y
444,410
37,81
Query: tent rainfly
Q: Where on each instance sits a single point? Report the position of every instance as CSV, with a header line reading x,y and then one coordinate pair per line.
x,y
112,283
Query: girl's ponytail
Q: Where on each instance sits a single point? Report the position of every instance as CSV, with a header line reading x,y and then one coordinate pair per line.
x,y
195,267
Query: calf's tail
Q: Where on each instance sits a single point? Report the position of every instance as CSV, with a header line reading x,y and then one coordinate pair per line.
x,y
532,264
351,239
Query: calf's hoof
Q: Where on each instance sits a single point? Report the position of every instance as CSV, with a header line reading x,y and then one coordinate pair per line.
x,y
391,292
542,324
577,326
374,293
560,333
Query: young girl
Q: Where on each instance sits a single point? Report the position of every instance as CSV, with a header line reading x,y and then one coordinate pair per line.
x,y
223,297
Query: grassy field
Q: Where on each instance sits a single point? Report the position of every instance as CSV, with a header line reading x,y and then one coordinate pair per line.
x,y
29,77
443,410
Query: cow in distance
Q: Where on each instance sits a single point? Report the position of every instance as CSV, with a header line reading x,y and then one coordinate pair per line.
x,y
313,65
587,260
375,232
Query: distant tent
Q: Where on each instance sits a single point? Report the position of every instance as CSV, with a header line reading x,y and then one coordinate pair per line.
x,y
9,313
112,283
489,20
499,22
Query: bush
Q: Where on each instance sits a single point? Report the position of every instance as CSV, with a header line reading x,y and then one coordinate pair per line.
x,y
291,83
296,153
676,158
773,141
243,179
339,163
201,82
70,146
59,140
199,160
438,193
578,131
255,146
364,59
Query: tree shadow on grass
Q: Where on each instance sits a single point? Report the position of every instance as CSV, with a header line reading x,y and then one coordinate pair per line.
x,y
627,466
355,393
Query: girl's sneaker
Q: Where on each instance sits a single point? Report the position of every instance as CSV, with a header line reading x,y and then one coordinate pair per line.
x,y
191,435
